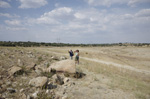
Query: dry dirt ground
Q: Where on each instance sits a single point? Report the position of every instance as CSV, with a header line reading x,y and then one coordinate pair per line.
x,y
111,72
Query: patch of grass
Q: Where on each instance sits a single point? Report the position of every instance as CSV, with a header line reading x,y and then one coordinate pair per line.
x,y
40,59
48,65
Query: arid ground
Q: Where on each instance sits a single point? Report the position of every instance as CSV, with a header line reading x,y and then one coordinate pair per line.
x,y
117,72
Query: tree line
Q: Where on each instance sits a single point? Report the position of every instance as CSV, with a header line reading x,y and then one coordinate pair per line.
x,y
38,44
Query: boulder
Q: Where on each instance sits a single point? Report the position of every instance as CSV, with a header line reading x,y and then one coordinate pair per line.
x,y
64,66
38,82
14,70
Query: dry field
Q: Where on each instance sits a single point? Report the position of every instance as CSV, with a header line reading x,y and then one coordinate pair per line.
x,y
111,72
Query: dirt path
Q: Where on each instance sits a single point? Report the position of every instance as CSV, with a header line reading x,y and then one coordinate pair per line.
x,y
107,63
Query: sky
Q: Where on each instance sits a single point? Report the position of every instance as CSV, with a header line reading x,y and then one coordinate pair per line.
x,y
75,21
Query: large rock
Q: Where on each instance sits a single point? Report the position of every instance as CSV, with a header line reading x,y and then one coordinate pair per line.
x,y
38,82
64,66
15,70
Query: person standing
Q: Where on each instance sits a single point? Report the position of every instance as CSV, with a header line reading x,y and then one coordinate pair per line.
x,y
77,57
71,54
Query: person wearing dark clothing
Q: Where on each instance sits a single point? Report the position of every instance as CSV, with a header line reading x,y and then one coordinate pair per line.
x,y
71,54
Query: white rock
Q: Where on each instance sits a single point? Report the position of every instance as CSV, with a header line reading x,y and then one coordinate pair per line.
x,y
47,91
34,95
64,66
66,80
21,90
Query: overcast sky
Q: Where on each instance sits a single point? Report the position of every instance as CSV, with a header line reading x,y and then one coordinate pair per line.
x,y
75,21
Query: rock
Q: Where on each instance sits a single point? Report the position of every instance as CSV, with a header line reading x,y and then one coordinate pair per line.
x,y
38,72
21,90
51,86
8,83
19,63
54,58
59,80
31,66
66,80
11,90
15,70
64,66
38,82
29,97
41,68
63,58
23,96
34,95
47,91
64,97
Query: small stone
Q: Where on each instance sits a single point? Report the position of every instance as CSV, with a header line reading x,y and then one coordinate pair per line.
x,y
19,63
66,80
64,97
34,95
23,96
21,90
11,90
28,97
47,91
59,80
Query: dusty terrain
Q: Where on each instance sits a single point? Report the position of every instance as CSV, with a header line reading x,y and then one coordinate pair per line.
x,y
111,73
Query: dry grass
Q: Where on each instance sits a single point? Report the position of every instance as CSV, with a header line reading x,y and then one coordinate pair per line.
x,y
126,80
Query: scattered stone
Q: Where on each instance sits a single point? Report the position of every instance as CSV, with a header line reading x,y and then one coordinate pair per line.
x,y
11,90
38,82
64,66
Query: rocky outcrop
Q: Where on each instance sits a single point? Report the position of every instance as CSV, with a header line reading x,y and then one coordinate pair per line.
x,y
64,66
